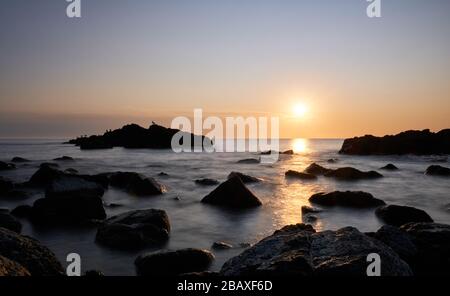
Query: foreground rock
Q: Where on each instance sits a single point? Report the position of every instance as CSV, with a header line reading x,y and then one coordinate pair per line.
x,y
9,222
244,178
297,250
12,268
399,215
207,182
398,240
317,170
29,253
174,262
409,142
134,136
135,229
44,176
350,174
234,194
6,166
437,170
300,175
136,184
352,199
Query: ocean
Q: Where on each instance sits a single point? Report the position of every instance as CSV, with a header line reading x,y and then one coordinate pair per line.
x,y
199,225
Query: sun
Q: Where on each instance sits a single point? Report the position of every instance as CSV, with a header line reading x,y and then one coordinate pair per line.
x,y
300,110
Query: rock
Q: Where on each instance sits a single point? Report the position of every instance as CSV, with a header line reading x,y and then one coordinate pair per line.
x,y
350,174
49,164
135,229
207,182
93,273
6,166
433,243
234,194
244,178
332,160
136,184
316,169
162,174
9,222
437,170
71,171
352,199
299,175
245,245
29,253
269,152
11,268
22,211
398,240
310,210
5,185
288,152
45,176
221,246
166,263
73,186
389,167
310,218
297,250
15,195
64,158
113,205
133,136
249,161
72,210
409,142
398,215
19,160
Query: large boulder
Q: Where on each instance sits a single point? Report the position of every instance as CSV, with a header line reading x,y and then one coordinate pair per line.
x,y
73,186
44,176
5,186
173,262
12,268
244,178
432,241
300,175
6,166
136,184
437,170
350,174
29,253
398,215
398,240
234,194
135,229
352,199
9,222
297,250
316,169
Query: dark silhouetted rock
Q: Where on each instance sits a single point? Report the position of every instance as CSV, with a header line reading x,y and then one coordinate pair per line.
x,y
399,215
22,211
173,262
398,240
288,152
64,158
316,169
6,166
73,186
244,178
44,176
299,175
19,160
29,253
136,184
9,222
221,246
350,174
135,229
437,170
207,182
11,268
332,160
162,174
5,185
249,161
297,250
389,167
352,199
232,193
409,142
310,210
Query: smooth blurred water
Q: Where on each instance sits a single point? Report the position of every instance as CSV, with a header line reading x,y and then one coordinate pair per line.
x,y
198,225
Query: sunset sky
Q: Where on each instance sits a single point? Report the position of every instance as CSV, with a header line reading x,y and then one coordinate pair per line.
x,y
138,61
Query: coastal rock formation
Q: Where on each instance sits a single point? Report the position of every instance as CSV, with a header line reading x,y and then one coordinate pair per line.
x,y
6,166
437,170
207,182
29,253
300,175
73,186
135,229
45,176
352,199
5,185
173,262
399,215
297,250
9,222
22,211
409,142
389,167
399,240
234,194
134,136
136,184
19,160
12,268
350,174
244,178
316,169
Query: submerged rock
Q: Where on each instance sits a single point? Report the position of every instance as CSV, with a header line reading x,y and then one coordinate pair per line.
x,y
135,229
244,178
232,193
249,161
300,175
207,182
221,246
173,262
136,184
64,158
352,199
11,268
288,152
351,174
297,250
389,167
437,170
9,222
316,169
29,253
399,215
